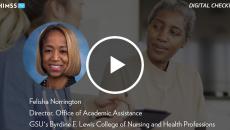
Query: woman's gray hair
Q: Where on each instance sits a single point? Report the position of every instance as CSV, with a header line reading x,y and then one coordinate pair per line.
x,y
176,5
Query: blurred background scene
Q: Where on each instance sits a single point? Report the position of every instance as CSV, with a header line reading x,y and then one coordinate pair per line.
x,y
208,50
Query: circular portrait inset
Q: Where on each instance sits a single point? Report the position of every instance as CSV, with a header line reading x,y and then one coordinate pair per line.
x,y
55,55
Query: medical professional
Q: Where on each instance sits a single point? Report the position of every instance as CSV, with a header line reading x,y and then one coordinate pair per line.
x,y
166,85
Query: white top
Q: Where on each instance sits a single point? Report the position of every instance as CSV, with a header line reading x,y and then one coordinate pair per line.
x,y
178,91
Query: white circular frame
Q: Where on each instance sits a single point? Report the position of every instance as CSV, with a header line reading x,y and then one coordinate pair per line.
x,y
120,38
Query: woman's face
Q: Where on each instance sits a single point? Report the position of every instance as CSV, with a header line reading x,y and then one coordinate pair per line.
x,y
55,54
166,34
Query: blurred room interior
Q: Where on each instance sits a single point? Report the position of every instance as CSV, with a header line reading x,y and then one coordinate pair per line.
x,y
208,50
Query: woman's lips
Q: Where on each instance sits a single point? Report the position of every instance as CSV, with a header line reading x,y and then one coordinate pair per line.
x,y
159,48
55,67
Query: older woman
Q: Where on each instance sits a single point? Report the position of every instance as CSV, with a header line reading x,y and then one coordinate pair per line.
x,y
58,57
167,85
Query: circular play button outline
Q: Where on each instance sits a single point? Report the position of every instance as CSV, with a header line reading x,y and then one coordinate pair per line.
x,y
119,38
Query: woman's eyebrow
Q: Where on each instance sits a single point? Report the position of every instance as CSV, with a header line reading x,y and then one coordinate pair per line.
x,y
159,20
163,22
63,47
177,27
48,45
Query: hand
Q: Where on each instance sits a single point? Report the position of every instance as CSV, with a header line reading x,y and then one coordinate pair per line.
x,y
109,102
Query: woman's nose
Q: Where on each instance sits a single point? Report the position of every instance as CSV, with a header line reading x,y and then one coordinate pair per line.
x,y
162,36
55,55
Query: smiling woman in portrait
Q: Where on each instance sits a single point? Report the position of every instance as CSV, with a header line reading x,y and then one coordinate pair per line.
x,y
58,57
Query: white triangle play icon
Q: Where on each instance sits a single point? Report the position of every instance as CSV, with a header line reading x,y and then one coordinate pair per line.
x,y
115,64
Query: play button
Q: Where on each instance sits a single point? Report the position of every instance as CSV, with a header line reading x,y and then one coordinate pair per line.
x,y
114,65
